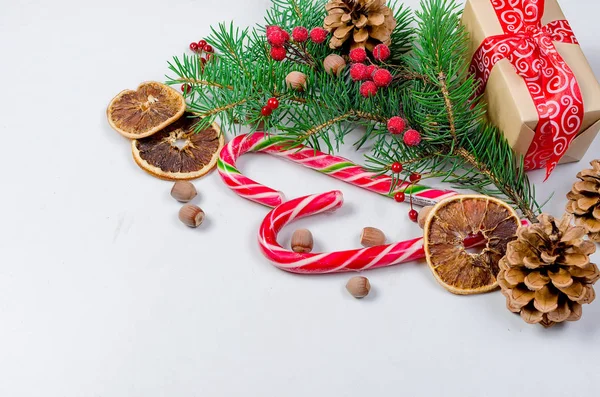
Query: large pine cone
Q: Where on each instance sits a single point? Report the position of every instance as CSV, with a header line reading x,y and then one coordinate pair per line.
x,y
359,23
584,201
546,274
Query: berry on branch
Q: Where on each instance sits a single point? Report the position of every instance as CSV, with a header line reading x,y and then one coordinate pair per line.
x,y
273,103
194,47
358,71
371,69
415,177
318,35
358,55
266,111
412,138
396,125
300,34
413,215
277,38
186,88
382,78
368,89
208,48
381,52
278,53
400,197
397,168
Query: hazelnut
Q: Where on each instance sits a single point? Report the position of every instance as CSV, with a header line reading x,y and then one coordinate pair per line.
x,y
358,287
183,191
372,237
334,64
296,81
302,241
191,215
423,215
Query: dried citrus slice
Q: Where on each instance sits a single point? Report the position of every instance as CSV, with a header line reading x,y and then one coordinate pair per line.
x,y
145,111
178,152
447,226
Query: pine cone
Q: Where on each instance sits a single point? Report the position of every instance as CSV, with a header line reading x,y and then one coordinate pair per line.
x,y
584,201
546,274
359,23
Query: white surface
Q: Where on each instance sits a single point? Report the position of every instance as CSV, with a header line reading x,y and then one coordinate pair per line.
x,y
104,293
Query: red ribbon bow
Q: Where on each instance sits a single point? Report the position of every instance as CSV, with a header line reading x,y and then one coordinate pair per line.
x,y
530,48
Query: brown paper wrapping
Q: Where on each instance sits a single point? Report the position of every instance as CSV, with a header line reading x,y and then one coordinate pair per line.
x,y
510,106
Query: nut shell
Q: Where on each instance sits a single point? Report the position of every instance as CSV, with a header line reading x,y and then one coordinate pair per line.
x,y
191,215
372,237
296,81
334,64
183,191
302,241
359,287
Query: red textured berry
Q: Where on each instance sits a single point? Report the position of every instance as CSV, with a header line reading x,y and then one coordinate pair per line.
x,y
273,103
413,215
266,111
300,34
318,35
412,138
396,125
371,69
278,53
397,168
358,55
272,29
194,47
358,71
415,177
400,197
208,48
277,38
201,44
368,89
382,78
186,88
286,35
381,52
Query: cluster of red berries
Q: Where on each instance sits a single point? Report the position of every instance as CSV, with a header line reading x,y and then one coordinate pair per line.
x,y
278,38
396,126
372,76
400,197
272,104
200,48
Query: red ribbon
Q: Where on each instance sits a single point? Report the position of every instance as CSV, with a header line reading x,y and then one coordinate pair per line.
x,y
530,48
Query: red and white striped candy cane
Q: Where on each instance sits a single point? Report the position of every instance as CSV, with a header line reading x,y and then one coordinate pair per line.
x,y
334,166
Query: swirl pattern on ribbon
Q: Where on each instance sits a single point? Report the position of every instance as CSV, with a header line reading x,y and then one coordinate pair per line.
x,y
529,47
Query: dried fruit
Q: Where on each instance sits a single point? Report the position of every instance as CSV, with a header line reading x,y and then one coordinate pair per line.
x,y
453,220
302,241
178,152
372,237
145,111
423,215
191,215
183,191
359,287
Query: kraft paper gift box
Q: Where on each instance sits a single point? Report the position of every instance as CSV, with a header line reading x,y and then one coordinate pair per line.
x,y
510,105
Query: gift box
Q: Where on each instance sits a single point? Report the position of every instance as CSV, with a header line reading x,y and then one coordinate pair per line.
x,y
539,87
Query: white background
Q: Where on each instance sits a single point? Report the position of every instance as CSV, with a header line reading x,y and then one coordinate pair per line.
x,y
104,293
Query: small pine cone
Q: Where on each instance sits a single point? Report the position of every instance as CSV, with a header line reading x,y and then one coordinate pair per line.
x,y
359,23
584,201
546,274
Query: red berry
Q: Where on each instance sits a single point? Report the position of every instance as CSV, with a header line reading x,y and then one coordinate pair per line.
x,y
358,55
300,34
186,88
273,103
415,177
371,69
358,71
278,53
400,197
266,111
271,30
194,47
208,56
397,168
368,89
201,44
286,35
277,38
413,215
412,138
203,60
396,125
381,52
318,35
208,48
382,78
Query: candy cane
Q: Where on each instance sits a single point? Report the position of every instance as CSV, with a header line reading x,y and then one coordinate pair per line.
x,y
334,166
334,262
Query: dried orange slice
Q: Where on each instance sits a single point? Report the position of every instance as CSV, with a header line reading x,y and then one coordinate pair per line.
x,y
178,152
145,111
447,226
